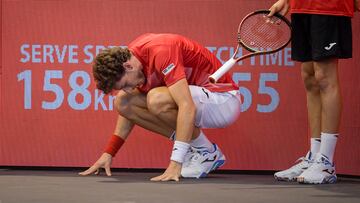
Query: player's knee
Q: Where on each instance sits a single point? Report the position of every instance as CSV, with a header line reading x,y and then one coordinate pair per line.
x,y
311,85
121,104
310,82
157,102
322,80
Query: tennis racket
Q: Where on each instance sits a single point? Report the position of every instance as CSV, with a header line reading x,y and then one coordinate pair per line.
x,y
258,34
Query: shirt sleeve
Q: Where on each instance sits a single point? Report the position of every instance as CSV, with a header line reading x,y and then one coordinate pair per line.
x,y
168,62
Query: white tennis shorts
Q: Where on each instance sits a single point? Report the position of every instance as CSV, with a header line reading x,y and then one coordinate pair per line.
x,y
215,109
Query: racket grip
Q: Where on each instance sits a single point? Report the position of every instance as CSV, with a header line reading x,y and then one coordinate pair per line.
x,y
222,70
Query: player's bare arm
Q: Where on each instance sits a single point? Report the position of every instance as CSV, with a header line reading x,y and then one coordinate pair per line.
x,y
122,129
185,125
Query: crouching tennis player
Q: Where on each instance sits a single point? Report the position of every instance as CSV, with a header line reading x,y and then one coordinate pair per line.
x,y
163,87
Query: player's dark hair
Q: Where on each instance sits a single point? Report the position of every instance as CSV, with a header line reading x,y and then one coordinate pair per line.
x,y
108,67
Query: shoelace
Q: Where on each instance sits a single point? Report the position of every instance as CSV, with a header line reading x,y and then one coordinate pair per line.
x,y
196,156
318,162
314,166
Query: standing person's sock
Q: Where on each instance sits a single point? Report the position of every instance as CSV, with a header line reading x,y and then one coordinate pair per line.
x,y
202,143
328,144
314,146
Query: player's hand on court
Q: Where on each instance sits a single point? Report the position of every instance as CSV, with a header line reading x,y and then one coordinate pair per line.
x,y
103,162
281,7
357,5
173,172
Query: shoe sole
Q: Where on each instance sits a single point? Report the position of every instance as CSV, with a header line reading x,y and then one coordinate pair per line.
x,y
326,180
215,166
285,179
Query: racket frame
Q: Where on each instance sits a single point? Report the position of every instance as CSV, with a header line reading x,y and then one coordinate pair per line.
x,y
233,60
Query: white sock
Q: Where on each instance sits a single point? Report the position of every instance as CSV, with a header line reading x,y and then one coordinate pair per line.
x,y
315,146
202,143
328,144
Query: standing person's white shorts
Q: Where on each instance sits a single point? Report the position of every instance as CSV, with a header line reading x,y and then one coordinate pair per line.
x,y
215,109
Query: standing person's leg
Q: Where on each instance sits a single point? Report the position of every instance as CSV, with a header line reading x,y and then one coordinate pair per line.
x,y
313,100
302,51
331,40
326,73
331,105
323,170
314,107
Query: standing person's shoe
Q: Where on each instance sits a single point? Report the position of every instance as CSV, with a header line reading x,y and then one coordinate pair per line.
x,y
322,171
292,173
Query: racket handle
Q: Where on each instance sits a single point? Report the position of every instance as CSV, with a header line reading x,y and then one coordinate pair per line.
x,y
222,70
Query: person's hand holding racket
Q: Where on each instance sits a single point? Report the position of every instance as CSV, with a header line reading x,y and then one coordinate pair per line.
x,y
259,34
103,162
281,7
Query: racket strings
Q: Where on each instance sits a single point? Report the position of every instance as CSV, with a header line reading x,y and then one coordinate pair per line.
x,y
260,33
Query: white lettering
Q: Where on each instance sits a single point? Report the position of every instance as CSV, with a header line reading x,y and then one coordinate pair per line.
x,y
25,53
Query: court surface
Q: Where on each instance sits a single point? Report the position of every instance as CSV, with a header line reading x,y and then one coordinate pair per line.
x,y
41,186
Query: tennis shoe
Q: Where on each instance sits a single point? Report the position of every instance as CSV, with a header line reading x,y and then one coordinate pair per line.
x,y
322,171
292,173
202,162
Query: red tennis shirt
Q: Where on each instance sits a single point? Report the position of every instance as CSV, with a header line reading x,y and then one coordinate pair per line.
x,y
168,58
323,7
